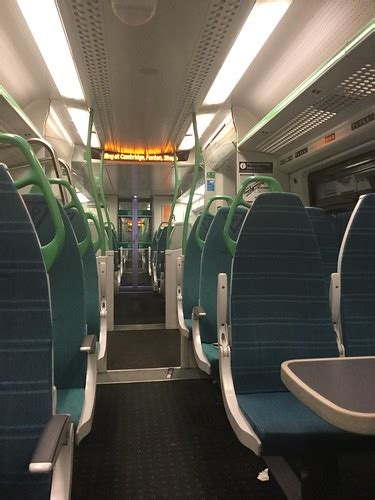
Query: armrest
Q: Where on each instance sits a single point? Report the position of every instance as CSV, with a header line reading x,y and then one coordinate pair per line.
x,y
55,435
88,344
198,312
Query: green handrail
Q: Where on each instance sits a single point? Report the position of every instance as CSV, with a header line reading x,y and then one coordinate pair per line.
x,y
274,186
94,189
75,203
198,163
104,201
229,201
177,184
37,177
95,243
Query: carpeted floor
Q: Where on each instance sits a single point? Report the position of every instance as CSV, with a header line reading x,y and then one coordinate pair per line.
x,y
165,440
133,308
143,349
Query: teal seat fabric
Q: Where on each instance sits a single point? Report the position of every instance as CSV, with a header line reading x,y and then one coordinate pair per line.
x,y
212,354
327,239
25,348
341,220
67,299
192,267
70,402
285,425
215,259
357,307
279,306
90,275
189,324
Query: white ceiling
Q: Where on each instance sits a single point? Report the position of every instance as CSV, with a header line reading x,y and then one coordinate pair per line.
x,y
144,82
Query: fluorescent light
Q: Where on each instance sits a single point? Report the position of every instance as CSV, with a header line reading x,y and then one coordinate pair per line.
x,y
203,121
80,118
82,198
46,27
262,20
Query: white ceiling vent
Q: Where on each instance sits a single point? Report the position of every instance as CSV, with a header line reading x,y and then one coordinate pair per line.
x,y
88,17
354,88
216,28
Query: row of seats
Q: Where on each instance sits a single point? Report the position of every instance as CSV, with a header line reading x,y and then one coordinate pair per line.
x,y
50,335
271,266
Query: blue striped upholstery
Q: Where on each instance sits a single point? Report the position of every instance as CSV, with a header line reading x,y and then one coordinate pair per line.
x,y
192,267
25,348
215,259
160,252
68,304
90,275
328,243
279,306
357,307
341,220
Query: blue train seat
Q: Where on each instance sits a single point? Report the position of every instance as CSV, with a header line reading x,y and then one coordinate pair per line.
x,y
215,259
356,281
278,311
75,357
29,469
160,253
328,243
188,293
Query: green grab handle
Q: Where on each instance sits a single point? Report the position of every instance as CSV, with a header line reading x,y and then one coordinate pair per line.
x,y
75,203
37,177
274,186
95,243
229,201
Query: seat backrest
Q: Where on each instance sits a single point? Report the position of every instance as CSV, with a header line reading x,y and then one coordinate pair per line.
x,y
90,274
215,259
357,270
25,347
279,308
341,220
67,298
160,251
328,243
192,266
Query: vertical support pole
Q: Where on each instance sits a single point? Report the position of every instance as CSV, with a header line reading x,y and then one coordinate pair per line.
x,y
135,242
198,164
104,201
175,196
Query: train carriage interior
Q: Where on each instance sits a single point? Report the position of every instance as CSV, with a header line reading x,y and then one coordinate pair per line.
x,y
187,249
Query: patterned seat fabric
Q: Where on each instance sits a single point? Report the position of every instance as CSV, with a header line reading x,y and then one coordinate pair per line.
x,y
68,306
192,267
160,252
357,269
25,348
216,259
328,242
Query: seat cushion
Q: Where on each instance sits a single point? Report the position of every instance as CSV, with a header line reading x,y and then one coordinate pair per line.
x,y
70,402
285,426
212,354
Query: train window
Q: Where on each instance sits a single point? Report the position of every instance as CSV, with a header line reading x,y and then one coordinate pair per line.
x,y
337,188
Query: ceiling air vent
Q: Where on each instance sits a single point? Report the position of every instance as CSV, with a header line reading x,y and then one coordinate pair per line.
x,y
354,88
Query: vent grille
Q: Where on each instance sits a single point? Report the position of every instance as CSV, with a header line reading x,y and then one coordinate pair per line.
x,y
87,18
216,28
358,86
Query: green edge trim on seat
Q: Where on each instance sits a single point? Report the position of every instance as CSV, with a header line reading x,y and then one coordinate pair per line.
x,y
229,201
37,177
95,243
75,203
274,186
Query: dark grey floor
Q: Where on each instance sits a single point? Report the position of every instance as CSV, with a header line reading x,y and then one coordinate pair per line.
x,y
143,349
165,440
133,308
